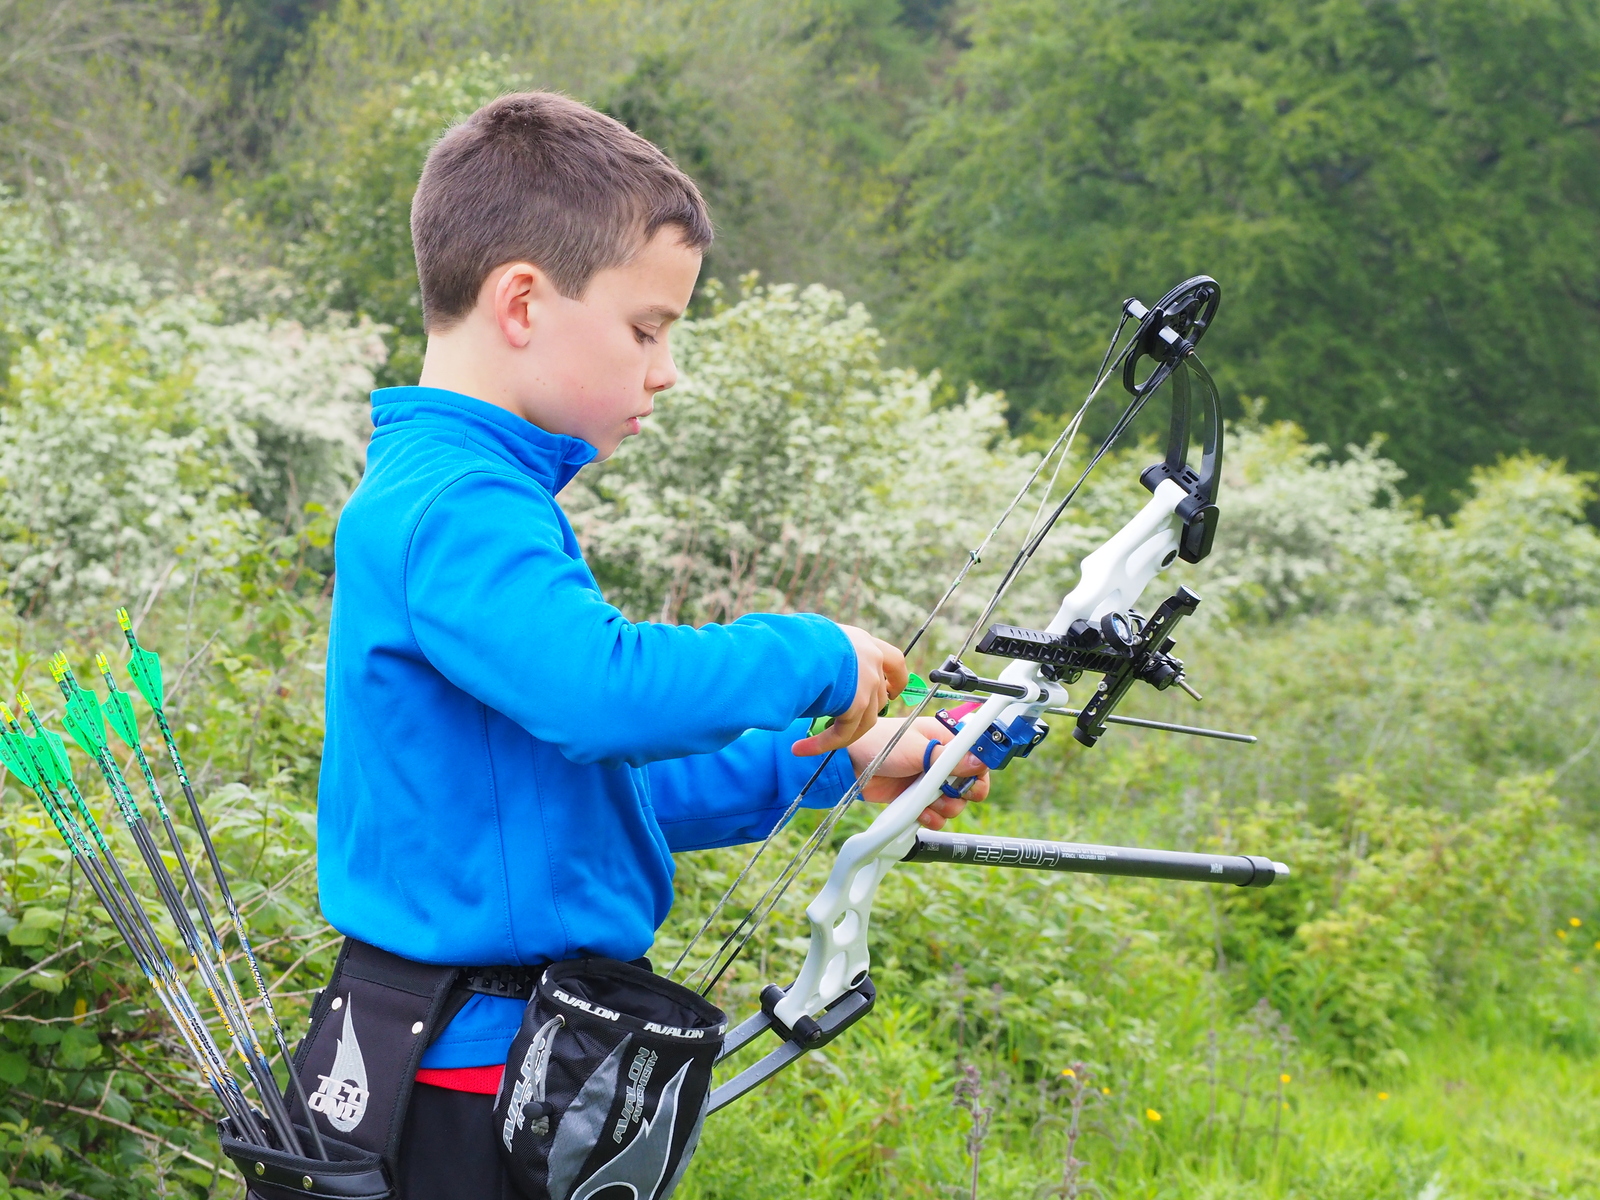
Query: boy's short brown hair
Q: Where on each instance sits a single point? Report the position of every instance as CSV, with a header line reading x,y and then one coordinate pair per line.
x,y
541,178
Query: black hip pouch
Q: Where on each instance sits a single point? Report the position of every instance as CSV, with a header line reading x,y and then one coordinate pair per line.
x,y
607,1083
357,1064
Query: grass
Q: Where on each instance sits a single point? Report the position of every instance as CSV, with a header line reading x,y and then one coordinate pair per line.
x,y
1467,1121
1440,1039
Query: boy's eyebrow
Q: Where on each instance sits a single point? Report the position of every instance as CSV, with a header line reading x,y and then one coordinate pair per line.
x,y
665,311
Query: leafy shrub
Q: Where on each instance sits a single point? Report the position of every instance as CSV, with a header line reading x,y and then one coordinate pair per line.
x,y
1522,537
790,469
141,442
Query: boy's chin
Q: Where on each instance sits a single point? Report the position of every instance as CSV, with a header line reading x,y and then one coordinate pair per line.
x,y
606,447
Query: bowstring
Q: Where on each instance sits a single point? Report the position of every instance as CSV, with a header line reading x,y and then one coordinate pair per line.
x,y
757,914
752,921
1031,546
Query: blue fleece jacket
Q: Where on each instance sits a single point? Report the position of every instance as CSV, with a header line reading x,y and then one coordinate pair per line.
x,y
509,761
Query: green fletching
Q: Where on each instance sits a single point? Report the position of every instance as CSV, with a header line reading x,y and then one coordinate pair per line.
x,y
119,711
86,722
144,668
50,752
14,753
818,724
916,688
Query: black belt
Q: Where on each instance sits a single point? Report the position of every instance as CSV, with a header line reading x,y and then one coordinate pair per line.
x,y
516,983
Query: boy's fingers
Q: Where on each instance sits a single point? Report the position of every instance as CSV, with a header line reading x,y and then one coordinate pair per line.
x,y
845,729
895,672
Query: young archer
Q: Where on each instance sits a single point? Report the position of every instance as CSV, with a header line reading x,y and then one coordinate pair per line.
x,y
510,762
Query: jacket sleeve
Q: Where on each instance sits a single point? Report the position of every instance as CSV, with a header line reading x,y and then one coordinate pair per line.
x,y
739,793
500,606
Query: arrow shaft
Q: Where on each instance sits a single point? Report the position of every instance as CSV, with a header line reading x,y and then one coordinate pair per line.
x,y
116,896
240,931
235,1019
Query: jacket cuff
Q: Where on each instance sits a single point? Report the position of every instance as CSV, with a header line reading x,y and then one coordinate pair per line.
x,y
842,692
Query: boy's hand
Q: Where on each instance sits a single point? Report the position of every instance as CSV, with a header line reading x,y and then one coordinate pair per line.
x,y
880,675
904,765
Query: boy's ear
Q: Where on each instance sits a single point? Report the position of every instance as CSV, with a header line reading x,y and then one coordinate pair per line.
x,y
516,293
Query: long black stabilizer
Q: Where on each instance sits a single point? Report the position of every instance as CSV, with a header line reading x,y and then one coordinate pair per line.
x,y
1245,870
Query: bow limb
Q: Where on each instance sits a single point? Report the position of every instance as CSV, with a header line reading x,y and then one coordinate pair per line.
x,y
837,958
1111,579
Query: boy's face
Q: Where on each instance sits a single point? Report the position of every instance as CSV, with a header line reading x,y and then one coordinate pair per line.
x,y
591,367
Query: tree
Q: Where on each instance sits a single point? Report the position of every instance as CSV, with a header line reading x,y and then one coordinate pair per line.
x,y
1398,197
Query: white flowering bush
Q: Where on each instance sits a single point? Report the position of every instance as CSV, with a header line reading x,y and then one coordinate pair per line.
x,y
300,395
790,470
1302,532
140,440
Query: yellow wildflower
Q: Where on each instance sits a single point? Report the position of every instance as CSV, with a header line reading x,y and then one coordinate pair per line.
x,y
1105,1091
1574,922
1383,1095
1562,934
1284,1079
1151,1114
1069,1073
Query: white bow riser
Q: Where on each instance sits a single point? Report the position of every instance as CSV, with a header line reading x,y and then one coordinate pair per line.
x,y
1111,580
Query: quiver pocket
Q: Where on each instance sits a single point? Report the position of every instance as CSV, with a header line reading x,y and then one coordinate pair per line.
x,y
349,1172
607,1082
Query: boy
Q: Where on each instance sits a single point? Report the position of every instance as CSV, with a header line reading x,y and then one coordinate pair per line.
x,y
510,762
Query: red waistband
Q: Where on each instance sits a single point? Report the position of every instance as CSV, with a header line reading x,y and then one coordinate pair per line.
x,y
485,1081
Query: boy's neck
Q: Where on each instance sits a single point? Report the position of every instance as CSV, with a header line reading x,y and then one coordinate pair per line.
x,y
457,361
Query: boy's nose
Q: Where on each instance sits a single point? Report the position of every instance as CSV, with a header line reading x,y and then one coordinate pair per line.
x,y
661,377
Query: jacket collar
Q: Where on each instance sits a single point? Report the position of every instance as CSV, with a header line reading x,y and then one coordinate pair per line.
x,y
551,458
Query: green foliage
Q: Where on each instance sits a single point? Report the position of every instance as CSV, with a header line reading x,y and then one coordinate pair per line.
x,y
1410,1015
355,252
1428,914
1391,195
1522,536
790,470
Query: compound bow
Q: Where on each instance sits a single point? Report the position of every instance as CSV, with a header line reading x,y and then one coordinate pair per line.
x,y
1095,630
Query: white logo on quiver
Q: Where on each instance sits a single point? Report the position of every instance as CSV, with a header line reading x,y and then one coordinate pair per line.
x,y
342,1095
598,1010
674,1031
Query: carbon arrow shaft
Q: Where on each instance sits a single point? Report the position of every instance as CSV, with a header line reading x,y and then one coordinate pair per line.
x,y
148,681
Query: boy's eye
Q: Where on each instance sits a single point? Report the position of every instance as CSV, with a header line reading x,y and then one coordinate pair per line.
x,y
644,336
